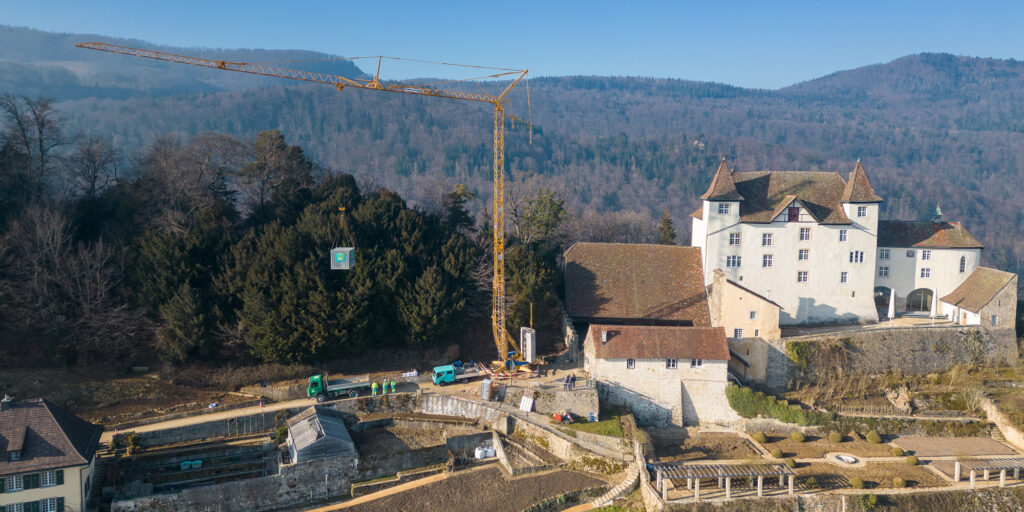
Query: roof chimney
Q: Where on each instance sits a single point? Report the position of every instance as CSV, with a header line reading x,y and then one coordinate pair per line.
x,y
604,336
5,404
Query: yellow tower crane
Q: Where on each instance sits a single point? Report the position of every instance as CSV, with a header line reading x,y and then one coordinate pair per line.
x,y
508,351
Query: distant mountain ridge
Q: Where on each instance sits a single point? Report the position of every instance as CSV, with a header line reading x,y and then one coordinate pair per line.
x,y
928,127
50,64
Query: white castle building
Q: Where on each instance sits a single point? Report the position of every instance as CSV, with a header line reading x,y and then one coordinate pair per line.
x,y
813,243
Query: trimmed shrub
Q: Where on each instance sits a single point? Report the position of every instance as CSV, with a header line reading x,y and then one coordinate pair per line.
x,y
868,501
835,437
759,437
856,483
777,453
798,437
912,460
790,463
897,451
873,437
899,483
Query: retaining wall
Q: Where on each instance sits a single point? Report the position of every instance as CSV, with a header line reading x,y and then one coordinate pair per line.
x,y
910,350
294,485
401,478
386,464
241,425
1013,436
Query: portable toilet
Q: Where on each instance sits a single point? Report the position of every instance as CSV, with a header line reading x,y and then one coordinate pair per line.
x,y
341,258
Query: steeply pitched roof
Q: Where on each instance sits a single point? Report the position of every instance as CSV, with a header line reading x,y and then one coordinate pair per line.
x,y
767,193
49,437
858,188
901,233
621,282
979,288
722,187
659,342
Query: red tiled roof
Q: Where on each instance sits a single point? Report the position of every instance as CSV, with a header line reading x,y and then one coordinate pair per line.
x,y
900,233
659,342
768,192
635,282
979,289
699,214
722,187
50,436
858,188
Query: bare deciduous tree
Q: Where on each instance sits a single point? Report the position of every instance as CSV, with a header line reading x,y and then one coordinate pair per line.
x,y
93,165
35,129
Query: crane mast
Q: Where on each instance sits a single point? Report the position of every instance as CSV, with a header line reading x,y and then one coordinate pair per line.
x,y
508,351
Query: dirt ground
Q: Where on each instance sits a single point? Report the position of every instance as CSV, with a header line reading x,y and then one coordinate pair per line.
x,y
391,439
960,446
814,447
482,490
874,475
674,445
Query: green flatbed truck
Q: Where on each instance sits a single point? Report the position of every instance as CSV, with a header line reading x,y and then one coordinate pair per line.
x,y
322,389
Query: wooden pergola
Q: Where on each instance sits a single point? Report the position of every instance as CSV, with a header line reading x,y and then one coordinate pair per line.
x,y
724,473
986,466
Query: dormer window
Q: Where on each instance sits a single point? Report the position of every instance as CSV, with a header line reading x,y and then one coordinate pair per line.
x,y
723,208
862,211
14,455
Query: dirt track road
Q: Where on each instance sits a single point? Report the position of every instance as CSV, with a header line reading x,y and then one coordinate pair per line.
x,y
213,416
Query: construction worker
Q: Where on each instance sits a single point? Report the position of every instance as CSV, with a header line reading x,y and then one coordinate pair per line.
x,y
393,386
384,387
374,388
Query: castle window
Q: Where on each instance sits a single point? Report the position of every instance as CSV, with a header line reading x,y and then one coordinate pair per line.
x,y
843,277
910,253
630,364
883,271
671,364
805,234
696,363
734,238
753,315
862,211
766,239
926,272
883,254
995,320
732,261
926,255
842,234
801,276
723,208
737,333
804,254
856,256
766,260
963,264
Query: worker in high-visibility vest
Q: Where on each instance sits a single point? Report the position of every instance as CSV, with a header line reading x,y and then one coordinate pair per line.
x,y
373,388
392,386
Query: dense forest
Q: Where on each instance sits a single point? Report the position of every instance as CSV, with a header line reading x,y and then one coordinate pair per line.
x,y
929,128
215,249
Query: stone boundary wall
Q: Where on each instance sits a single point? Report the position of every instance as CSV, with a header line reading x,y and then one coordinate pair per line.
x,y
606,442
292,486
241,425
362,489
377,465
910,350
652,500
499,451
1013,436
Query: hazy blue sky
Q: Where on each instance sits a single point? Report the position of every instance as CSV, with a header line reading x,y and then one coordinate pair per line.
x,y
767,43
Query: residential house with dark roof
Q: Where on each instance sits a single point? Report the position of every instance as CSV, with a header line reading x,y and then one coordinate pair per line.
x,y
47,457
813,243
988,297
665,373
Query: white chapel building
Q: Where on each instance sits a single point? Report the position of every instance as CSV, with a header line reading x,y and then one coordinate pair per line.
x,y
813,243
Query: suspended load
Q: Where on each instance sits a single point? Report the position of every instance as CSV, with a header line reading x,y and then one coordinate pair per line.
x,y
341,258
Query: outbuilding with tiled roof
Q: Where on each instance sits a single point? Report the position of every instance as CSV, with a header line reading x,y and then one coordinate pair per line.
x,y
988,297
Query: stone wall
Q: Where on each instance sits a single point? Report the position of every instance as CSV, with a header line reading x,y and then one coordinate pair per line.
x,y
294,485
376,465
910,350
552,399
241,425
